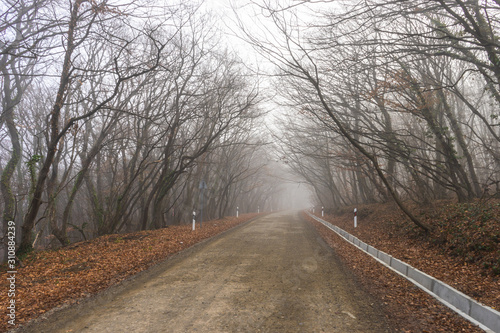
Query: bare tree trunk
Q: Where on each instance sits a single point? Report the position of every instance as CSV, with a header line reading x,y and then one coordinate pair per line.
x,y
457,130
361,149
31,215
7,173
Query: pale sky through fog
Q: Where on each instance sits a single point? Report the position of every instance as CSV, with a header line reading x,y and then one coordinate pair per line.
x,y
296,194
228,13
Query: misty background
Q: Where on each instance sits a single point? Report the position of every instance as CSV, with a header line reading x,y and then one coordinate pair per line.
x,y
124,116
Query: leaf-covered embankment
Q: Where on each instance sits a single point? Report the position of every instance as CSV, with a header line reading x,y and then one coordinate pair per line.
x,y
463,250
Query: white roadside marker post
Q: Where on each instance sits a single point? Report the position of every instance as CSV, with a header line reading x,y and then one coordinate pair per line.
x,y
322,211
237,211
355,217
194,220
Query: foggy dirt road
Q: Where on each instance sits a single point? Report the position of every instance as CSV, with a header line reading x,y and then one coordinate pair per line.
x,y
273,274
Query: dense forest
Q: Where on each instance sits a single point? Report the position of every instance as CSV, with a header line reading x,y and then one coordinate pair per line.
x,y
113,115
116,115
390,100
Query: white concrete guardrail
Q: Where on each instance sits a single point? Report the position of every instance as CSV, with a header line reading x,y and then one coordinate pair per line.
x,y
481,315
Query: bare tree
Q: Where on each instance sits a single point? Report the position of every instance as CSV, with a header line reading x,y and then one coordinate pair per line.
x,y
81,22
27,28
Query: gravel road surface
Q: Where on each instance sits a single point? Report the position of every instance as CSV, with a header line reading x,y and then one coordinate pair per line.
x,y
273,274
